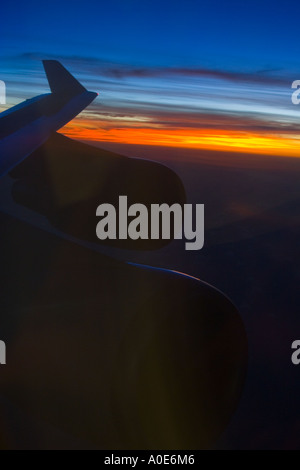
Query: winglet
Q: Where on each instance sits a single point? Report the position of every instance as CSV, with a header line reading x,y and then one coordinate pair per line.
x,y
60,80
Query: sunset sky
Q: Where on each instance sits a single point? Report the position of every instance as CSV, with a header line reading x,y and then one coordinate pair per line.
x,y
193,74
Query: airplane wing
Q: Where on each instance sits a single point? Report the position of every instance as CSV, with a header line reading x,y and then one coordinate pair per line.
x,y
26,127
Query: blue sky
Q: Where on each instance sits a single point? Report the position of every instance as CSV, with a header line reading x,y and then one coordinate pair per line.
x,y
210,63
251,35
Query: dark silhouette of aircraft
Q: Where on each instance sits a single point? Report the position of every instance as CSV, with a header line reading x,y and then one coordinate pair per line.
x,y
118,355
65,180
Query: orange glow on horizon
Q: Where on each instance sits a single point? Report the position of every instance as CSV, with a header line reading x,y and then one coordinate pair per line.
x,y
190,138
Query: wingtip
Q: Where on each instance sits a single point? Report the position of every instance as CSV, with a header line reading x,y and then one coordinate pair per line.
x,y
60,79
47,62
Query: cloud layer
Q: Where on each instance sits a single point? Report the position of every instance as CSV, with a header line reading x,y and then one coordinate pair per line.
x,y
191,107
